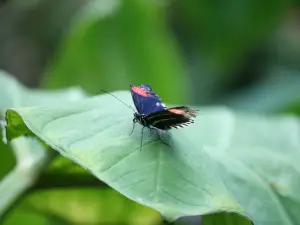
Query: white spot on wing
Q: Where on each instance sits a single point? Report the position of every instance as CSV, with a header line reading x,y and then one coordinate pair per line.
x,y
160,104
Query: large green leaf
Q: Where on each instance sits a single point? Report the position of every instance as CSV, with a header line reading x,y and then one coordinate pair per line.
x,y
115,43
224,162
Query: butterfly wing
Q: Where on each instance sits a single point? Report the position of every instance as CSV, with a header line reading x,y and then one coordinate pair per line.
x,y
146,101
172,118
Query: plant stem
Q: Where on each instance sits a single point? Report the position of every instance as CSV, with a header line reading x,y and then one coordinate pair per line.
x,y
32,158
12,186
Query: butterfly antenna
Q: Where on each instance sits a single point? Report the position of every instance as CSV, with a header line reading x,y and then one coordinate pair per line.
x,y
129,106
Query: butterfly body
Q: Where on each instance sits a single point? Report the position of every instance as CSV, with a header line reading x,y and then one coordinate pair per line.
x,y
153,113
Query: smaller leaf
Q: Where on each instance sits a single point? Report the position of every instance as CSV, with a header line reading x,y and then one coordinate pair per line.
x,y
14,94
275,93
225,219
30,155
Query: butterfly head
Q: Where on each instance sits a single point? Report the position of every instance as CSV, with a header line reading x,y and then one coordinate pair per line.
x,y
136,117
139,118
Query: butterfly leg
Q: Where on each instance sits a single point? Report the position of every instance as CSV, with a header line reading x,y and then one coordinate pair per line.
x,y
132,129
159,136
142,134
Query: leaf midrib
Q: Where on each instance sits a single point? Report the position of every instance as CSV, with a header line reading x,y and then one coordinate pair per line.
x,y
157,175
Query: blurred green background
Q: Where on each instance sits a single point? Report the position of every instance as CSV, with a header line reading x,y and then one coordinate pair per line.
x,y
244,54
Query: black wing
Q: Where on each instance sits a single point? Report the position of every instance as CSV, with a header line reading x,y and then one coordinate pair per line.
x,y
171,118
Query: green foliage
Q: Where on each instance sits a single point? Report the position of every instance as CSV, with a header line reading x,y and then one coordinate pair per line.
x,y
144,184
8,159
30,155
19,216
220,38
228,167
100,205
225,31
32,159
275,93
126,43
13,94
225,219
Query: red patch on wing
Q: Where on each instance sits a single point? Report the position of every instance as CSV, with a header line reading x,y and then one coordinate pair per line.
x,y
177,111
140,91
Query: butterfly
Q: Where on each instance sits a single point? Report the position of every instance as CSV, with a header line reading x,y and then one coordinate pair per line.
x,y
153,113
